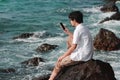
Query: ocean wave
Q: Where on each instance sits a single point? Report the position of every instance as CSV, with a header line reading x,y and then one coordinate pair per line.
x,y
40,36
44,34
104,15
92,10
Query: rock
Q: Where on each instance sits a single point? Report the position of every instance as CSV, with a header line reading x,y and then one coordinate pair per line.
x,y
110,7
106,19
106,40
9,70
24,35
111,0
33,62
45,77
46,47
115,16
90,70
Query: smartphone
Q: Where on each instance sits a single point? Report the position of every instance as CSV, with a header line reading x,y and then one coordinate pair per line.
x,y
62,26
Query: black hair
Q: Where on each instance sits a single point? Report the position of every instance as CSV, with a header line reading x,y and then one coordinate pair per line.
x,y
76,15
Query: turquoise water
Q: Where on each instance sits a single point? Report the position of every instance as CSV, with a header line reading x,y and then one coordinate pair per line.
x,y
43,17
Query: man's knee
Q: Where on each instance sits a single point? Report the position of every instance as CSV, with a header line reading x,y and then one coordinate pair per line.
x,y
58,65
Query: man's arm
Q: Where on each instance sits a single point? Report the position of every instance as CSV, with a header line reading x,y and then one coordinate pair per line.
x,y
68,52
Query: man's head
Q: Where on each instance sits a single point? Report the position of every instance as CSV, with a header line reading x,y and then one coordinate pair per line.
x,y
76,17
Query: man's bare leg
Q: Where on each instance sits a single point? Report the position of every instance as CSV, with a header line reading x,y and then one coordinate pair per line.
x,y
55,71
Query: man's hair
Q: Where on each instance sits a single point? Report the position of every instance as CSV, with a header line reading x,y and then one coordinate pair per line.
x,y
76,15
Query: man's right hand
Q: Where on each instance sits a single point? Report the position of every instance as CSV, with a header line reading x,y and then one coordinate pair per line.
x,y
67,31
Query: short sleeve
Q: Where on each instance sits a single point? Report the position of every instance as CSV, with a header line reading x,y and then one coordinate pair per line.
x,y
76,37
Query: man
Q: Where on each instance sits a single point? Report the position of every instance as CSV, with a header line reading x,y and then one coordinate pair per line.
x,y
80,45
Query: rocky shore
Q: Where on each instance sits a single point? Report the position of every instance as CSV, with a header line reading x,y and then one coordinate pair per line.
x,y
105,40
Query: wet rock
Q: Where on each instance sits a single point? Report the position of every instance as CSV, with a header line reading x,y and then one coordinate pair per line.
x,y
45,77
9,70
110,7
33,62
90,70
106,40
115,16
24,35
46,47
106,19
111,0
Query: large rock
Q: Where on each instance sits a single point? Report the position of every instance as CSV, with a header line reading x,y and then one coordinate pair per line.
x,y
90,70
24,35
106,40
110,7
32,62
46,47
115,16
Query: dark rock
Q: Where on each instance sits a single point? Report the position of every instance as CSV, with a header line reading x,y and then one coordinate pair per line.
x,y
111,0
33,62
90,70
46,47
106,40
106,19
115,16
110,7
9,70
45,77
24,35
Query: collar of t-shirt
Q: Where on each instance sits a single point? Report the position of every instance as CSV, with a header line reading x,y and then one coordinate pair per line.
x,y
79,25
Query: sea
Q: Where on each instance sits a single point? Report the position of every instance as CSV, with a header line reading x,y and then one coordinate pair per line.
x,y
42,17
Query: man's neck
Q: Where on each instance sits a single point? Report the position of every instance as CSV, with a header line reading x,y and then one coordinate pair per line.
x,y
76,24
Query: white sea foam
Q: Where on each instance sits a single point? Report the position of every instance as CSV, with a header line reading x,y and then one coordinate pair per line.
x,y
55,40
93,9
112,23
117,2
40,36
27,77
31,39
22,56
104,15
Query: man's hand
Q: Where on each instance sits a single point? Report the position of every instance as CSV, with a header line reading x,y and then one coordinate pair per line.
x,y
60,58
67,31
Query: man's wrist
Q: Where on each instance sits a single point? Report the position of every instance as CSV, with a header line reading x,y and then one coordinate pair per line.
x,y
70,34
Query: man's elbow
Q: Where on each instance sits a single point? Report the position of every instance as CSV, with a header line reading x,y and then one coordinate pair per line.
x,y
74,46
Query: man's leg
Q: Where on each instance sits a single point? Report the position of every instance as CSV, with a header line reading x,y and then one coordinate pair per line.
x,y
69,41
56,70
65,62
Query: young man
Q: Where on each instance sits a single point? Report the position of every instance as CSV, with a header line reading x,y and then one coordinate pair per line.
x,y
80,45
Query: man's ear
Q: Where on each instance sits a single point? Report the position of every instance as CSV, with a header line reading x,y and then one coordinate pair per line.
x,y
74,20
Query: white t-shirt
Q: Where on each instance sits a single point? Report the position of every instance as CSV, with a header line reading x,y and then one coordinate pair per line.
x,y
84,50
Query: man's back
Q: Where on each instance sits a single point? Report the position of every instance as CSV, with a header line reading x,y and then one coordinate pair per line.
x,y
83,39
